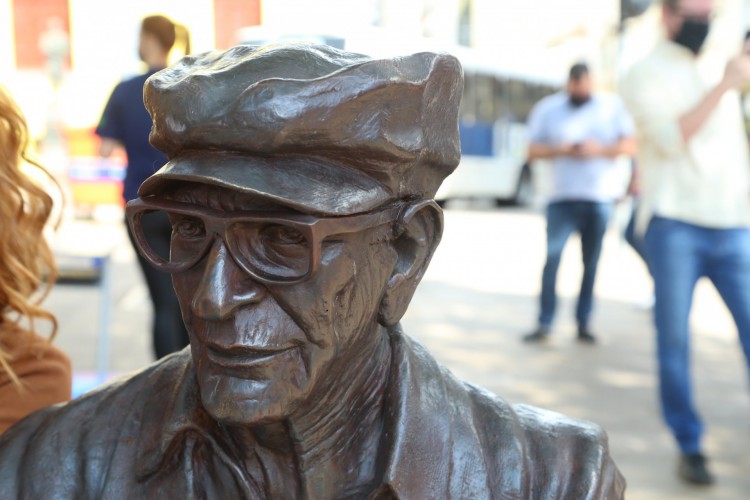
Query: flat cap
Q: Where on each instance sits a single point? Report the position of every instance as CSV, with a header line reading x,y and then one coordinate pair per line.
x,y
323,130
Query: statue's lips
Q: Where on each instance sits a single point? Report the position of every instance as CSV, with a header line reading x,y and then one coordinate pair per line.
x,y
243,357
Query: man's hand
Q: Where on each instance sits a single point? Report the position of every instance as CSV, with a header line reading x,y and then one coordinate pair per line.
x,y
736,75
737,72
594,149
588,149
107,146
543,151
585,149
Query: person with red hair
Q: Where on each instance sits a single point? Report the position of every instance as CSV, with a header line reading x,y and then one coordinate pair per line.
x,y
33,373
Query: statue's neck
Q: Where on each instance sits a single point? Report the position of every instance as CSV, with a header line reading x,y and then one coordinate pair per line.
x,y
337,439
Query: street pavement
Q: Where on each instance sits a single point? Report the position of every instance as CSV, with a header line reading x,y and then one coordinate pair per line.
x,y
475,302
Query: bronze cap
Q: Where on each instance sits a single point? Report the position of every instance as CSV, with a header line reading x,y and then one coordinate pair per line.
x,y
331,131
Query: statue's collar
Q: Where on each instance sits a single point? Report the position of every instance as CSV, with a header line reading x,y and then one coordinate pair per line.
x,y
434,442
171,409
172,414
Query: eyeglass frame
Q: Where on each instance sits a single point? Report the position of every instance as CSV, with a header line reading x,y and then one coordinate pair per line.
x,y
216,222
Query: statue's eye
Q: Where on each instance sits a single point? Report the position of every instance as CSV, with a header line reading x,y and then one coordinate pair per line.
x,y
189,228
277,234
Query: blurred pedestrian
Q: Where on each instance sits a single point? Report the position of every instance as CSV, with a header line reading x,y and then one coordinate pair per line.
x,y
582,133
694,205
33,373
126,123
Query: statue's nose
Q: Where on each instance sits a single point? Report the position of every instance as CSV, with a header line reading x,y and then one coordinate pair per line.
x,y
224,286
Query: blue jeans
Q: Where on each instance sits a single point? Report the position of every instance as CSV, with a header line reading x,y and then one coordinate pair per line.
x,y
679,254
563,217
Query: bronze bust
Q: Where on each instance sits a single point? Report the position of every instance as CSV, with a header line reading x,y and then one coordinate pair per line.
x,y
299,188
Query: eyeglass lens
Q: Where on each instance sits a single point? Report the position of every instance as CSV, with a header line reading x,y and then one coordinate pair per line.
x,y
273,250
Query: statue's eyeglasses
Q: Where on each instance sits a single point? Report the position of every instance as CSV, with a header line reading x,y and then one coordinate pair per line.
x,y
274,248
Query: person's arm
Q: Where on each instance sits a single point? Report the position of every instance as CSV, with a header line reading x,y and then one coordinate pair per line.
x,y
590,149
107,146
736,74
692,121
627,146
538,150
110,128
648,93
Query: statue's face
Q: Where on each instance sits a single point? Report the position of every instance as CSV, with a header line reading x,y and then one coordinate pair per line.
x,y
262,349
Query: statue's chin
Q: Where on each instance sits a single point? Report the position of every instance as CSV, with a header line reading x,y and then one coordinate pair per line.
x,y
234,401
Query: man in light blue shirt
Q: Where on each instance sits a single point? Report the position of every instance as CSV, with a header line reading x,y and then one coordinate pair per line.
x,y
582,134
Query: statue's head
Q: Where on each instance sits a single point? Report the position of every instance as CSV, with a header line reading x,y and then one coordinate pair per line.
x,y
299,188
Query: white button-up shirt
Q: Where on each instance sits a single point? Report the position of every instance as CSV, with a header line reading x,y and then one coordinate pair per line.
x,y
705,181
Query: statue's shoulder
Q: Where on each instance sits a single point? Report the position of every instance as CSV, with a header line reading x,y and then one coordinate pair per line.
x,y
571,436
554,456
496,449
70,437
567,457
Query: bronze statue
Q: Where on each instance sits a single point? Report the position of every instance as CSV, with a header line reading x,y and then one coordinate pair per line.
x,y
299,188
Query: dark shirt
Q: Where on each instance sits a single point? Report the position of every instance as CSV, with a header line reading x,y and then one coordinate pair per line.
x,y
126,120
149,437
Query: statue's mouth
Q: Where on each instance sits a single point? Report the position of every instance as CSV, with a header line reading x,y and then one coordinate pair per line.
x,y
239,357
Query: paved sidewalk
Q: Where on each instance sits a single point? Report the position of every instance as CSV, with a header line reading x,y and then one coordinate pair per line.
x,y
477,299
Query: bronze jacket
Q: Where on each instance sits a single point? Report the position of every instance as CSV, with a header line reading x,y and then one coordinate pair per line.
x,y
148,437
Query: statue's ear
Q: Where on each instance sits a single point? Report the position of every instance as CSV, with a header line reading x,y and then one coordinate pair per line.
x,y
417,236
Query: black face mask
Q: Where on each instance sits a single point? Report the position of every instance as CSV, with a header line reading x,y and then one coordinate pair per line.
x,y
692,34
579,100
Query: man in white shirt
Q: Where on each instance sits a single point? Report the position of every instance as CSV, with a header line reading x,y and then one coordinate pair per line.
x,y
582,133
694,204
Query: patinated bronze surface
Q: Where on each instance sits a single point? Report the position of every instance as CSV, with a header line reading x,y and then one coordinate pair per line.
x,y
300,187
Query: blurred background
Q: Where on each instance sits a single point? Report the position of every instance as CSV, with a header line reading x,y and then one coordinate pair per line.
x,y
60,59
